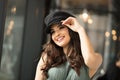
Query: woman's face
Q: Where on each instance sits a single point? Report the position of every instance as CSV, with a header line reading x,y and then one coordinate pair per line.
x,y
60,35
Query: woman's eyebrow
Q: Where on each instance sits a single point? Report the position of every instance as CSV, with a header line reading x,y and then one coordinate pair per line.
x,y
51,30
59,24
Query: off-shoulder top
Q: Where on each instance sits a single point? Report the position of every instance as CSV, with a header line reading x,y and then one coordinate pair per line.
x,y
65,72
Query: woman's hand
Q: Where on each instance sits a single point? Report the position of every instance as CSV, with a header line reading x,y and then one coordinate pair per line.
x,y
72,23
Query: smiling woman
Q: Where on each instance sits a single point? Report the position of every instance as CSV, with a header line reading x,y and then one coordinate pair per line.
x,y
68,54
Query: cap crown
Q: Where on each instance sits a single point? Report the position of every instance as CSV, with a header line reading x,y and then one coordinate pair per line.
x,y
55,17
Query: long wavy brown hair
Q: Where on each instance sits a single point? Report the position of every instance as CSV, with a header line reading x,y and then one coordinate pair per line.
x,y
56,56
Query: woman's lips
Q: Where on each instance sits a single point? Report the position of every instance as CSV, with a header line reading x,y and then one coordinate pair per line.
x,y
60,38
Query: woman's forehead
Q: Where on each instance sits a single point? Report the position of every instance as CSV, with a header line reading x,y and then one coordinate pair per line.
x,y
55,26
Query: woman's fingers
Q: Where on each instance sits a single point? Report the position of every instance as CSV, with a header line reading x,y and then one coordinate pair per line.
x,y
68,21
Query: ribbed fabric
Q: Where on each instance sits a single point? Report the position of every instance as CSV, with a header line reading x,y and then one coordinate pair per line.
x,y
65,72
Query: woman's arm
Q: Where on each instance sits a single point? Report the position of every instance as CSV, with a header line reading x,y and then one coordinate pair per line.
x,y
39,75
92,60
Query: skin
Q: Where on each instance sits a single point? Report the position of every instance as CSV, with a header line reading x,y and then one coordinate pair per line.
x,y
61,38
118,63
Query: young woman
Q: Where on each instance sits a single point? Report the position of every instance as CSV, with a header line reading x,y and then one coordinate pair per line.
x,y
68,54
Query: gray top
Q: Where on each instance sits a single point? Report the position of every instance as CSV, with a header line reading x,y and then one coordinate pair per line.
x,y
65,72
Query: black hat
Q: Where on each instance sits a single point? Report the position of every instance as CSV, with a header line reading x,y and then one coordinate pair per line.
x,y
55,17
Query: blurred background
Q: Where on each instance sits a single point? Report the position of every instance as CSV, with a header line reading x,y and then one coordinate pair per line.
x,y
22,34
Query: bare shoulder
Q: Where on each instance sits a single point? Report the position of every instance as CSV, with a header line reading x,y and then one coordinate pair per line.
x,y
41,63
42,59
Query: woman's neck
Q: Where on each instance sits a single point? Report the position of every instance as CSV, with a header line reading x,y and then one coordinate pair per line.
x,y
65,50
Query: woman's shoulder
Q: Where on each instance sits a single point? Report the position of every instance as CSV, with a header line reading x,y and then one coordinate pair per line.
x,y
39,71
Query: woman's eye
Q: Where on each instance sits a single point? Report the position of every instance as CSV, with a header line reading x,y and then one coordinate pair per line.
x,y
61,27
52,32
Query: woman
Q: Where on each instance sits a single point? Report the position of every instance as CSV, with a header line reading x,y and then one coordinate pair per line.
x,y
68,54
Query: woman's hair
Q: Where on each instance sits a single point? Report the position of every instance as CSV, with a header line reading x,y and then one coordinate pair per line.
x,y
56,56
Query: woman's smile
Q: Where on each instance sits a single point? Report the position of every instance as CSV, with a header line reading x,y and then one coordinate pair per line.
x,y
60,38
